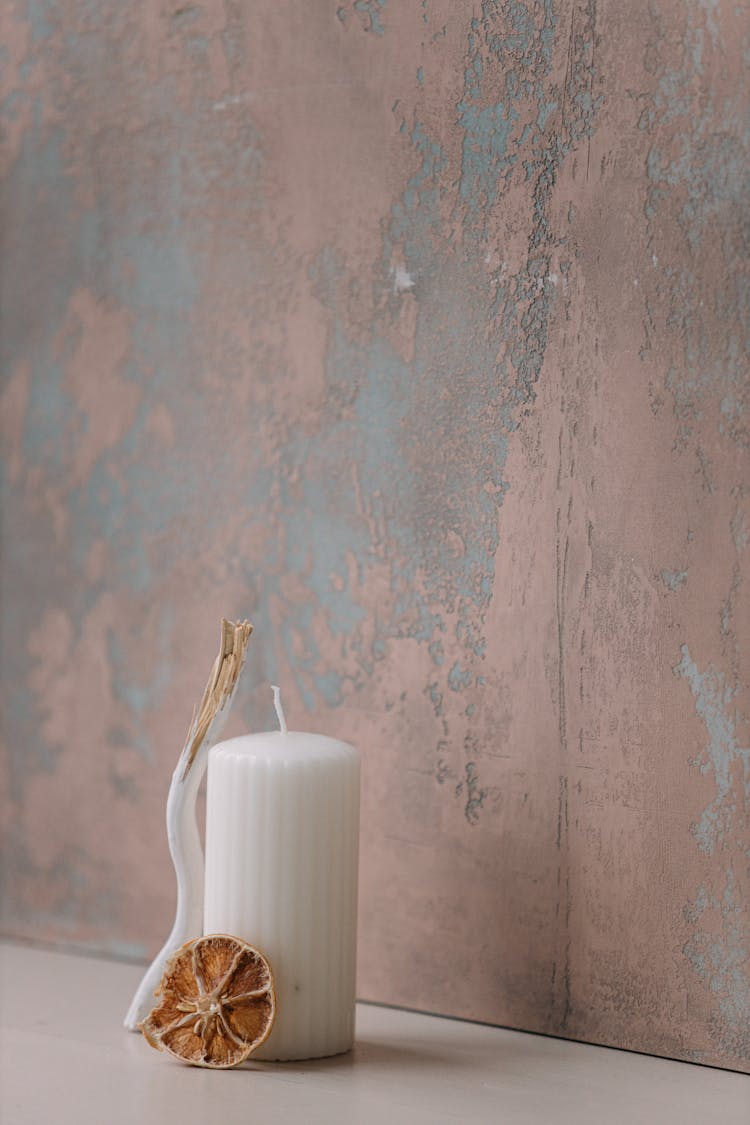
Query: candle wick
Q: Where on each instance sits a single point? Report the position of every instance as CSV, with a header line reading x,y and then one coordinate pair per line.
x,y
279,709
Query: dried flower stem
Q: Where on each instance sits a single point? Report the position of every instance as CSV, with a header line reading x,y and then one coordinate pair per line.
x,y
182,829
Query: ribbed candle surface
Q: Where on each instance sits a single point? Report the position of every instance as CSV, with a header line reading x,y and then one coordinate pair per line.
x,y
282,849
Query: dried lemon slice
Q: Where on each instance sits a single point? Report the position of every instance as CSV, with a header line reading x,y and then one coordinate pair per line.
x,y
216,1002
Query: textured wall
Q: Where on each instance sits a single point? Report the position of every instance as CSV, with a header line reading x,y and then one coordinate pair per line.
x,y
415,331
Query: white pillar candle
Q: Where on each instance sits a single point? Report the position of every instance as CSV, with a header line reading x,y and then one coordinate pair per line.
x,y
282,849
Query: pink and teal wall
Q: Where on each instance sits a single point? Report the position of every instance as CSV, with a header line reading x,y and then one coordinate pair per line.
x,y
416,332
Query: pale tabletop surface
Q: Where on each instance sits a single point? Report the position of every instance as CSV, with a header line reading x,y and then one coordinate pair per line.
x,y
65,1058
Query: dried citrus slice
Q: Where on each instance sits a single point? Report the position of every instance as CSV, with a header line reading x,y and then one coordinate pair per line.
x,y
216,1002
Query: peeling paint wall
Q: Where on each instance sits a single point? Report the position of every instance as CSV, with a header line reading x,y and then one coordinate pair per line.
x,y
418,333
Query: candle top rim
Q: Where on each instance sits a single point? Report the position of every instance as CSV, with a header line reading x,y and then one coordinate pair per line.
x,y
276,742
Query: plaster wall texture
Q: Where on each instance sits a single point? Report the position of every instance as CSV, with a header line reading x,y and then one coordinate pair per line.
x,y
417,333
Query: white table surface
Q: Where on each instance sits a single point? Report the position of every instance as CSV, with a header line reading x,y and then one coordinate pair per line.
x,y
66,1059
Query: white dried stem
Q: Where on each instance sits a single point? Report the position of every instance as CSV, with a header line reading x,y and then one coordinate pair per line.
x,y
182,828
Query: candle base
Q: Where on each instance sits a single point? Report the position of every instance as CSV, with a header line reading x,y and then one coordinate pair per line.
x,y
264,1054
318,1042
